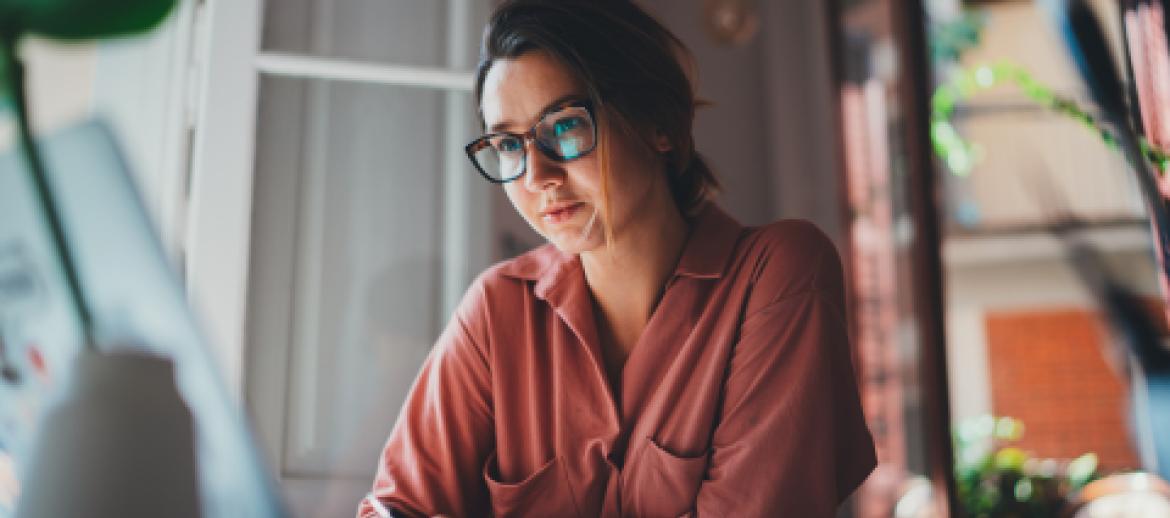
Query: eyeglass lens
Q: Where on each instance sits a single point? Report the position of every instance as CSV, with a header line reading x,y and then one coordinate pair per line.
x,y
562,135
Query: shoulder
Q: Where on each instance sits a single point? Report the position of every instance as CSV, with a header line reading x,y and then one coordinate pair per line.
x,y
507,282
791,257
497,306
518,273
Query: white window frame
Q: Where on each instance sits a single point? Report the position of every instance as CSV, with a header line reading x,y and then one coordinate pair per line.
x,y
217,241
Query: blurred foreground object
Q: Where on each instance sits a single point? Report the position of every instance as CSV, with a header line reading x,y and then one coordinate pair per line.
x,y
1085,41
141,319
917,499
1149,60
1126,495
1150,366
996,478
732,22
121,443
81,19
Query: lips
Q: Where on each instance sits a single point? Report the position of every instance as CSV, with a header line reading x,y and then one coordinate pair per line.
x,y
560,212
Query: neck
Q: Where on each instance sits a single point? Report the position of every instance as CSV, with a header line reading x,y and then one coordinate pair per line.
x,y
627,278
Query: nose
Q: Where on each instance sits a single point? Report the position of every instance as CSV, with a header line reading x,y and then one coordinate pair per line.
x,y
541,173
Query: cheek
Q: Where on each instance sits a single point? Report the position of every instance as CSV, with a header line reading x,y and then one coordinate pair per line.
x,y
521,198
584,177
631,176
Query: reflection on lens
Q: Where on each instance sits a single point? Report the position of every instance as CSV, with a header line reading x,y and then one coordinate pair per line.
x,y
569,149
499,158
488,160
568,134
563,135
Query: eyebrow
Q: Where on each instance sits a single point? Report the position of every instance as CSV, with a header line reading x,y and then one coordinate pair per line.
x,y
500,126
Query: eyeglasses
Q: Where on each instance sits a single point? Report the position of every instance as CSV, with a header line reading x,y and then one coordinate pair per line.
x,y
565,132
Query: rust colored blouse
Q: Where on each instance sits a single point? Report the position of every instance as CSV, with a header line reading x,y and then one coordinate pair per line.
x,y
739,399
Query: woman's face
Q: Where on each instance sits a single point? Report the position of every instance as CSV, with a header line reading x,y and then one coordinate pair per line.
x,y
563,200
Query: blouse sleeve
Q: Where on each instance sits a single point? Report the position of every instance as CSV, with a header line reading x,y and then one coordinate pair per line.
x,y
791,439
432,463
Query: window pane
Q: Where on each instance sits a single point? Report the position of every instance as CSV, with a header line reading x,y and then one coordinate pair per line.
x,y
403,32
346,264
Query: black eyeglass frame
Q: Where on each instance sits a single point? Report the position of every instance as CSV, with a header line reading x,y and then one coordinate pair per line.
x,y
475,145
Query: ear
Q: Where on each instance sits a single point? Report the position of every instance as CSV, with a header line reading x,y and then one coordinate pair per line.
x,y
661,142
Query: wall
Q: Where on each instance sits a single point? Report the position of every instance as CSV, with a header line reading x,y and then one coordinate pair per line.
x,y
1016,273
770,133
1049,369
1023,340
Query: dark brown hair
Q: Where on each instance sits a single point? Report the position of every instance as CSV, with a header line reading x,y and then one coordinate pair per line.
x,y
630,65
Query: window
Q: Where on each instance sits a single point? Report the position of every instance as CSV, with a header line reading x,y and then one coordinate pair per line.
x,y
329,180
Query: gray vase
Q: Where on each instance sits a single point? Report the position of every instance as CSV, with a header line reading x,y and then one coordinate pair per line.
x,y
121,443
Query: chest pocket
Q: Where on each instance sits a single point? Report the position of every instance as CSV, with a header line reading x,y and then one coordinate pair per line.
x,y
657,483
544,493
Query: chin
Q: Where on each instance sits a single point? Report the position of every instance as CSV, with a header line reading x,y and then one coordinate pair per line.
x,y
571,242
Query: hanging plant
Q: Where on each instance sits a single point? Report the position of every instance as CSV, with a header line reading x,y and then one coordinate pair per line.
x,y
960,156
75,20
950,39
82,19
994,478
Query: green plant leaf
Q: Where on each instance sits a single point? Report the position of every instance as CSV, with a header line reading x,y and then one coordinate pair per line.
x,y
1024,490
1008,428
1082,469
1010,459
4,94
82,19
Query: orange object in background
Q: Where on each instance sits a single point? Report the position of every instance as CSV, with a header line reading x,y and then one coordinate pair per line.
x,y
1048,370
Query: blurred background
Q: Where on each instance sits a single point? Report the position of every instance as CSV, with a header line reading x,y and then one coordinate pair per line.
x,y
303,162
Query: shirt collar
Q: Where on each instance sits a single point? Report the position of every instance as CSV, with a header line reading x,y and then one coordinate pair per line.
x,y
706,254
709,247
560,282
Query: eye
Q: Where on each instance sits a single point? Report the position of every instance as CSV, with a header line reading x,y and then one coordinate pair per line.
x,y
567,124
508,144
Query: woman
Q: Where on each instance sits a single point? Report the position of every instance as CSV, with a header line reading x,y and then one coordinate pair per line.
x,y
655,358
